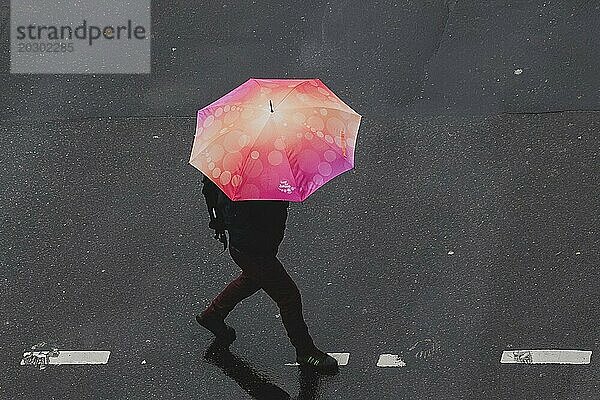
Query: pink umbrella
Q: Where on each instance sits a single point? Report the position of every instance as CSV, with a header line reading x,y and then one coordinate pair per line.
x,y
275,139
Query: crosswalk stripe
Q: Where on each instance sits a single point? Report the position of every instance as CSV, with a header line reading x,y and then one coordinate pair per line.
x,y
65,357
546,357
390,360
341,358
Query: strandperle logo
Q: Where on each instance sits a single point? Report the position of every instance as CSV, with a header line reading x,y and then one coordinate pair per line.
x,y
80,37
82,32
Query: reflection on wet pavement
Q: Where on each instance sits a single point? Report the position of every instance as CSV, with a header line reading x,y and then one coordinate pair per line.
x,y
255,383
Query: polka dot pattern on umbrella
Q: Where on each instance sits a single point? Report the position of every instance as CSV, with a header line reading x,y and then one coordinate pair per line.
x,y
275,139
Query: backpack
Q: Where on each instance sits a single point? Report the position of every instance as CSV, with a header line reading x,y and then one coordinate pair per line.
x,y
215,202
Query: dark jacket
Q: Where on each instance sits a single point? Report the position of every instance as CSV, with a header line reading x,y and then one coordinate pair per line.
x,y
255,226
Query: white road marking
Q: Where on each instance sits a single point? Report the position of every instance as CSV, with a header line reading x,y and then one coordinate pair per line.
x,y
341,358
546,357
390,360
69,357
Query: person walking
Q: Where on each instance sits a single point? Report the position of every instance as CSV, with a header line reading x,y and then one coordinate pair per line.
x,y
256,229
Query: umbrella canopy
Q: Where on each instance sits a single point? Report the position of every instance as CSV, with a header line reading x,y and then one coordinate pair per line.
x,y
275,139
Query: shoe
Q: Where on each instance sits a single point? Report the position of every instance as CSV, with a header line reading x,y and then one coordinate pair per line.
x,y
318,361
224,334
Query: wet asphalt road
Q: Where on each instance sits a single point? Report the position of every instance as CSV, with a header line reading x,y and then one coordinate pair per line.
x,y
462,221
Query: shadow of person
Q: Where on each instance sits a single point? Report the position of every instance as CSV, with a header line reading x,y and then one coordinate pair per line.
x,y
253,382
309,385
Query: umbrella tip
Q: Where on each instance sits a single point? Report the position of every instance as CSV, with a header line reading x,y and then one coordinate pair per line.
x,y
271,104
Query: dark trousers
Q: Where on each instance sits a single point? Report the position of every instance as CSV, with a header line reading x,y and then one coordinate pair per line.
x,y
265,272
